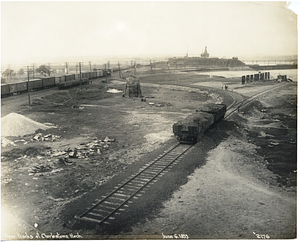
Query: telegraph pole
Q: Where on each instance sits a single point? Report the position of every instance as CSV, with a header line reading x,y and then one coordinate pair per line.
x,y
67,71
49,69
8,77
33,71
80,74
151,67
105,73
28,88
134,68
119,70
90,66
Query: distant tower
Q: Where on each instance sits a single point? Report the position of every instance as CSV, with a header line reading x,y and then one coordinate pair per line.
x,y
205,54
187,53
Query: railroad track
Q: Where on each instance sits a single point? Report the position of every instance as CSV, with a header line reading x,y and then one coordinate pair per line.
x,y
110,206
237,105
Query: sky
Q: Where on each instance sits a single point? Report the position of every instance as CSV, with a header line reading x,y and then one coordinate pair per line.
x,y
44,31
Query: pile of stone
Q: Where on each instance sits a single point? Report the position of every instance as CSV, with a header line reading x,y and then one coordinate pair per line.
x,y
15,124
47,137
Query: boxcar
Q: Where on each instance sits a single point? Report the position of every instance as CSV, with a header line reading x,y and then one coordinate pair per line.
x,y
5,90
70,77
84,75
48,82
60,79
99,73
94,74
35,84
21,86
77,76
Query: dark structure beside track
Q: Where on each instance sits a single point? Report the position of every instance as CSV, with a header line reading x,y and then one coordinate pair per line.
x,y
255,77
192,128
132,87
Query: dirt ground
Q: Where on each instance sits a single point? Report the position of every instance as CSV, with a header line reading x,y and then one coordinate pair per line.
x,y
246,189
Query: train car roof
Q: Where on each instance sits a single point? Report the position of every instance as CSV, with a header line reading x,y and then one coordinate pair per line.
x,y
211,107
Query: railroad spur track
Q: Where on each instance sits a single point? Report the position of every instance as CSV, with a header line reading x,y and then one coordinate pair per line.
x,y
112,204
235,106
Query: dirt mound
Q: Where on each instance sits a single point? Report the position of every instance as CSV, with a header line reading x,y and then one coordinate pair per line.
x,y
15,124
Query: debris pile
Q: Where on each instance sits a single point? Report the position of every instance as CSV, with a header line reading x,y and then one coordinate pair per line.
x,y
15,124
6,142
47,137
40,168
84,151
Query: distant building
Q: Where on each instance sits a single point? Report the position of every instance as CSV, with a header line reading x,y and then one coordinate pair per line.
x,y
205,54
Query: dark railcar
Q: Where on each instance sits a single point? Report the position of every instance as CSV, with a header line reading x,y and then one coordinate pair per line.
x,y
22,86
5,90
48,82
70,77
84,74
193,127
60,79
35,84
218,110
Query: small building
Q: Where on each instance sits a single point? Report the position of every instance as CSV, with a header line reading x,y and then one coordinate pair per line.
x,y
132,87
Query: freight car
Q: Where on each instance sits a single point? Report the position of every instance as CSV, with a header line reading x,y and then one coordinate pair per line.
x,y
192,128
64,81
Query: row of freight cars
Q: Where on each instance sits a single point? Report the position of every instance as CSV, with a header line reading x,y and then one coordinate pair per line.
x,y
192,128
64,81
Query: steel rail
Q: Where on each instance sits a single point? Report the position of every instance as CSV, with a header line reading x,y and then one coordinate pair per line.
x,y
138,189
248,100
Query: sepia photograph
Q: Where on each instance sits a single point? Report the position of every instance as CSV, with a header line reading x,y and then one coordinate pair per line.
x,y
149,120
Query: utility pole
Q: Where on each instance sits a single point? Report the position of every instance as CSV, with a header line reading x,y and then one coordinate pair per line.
x,y
90,66
119,70
33,71
28,87
134,68
108,65
9,74
49,69
66,69
105,72
80,74
151,67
